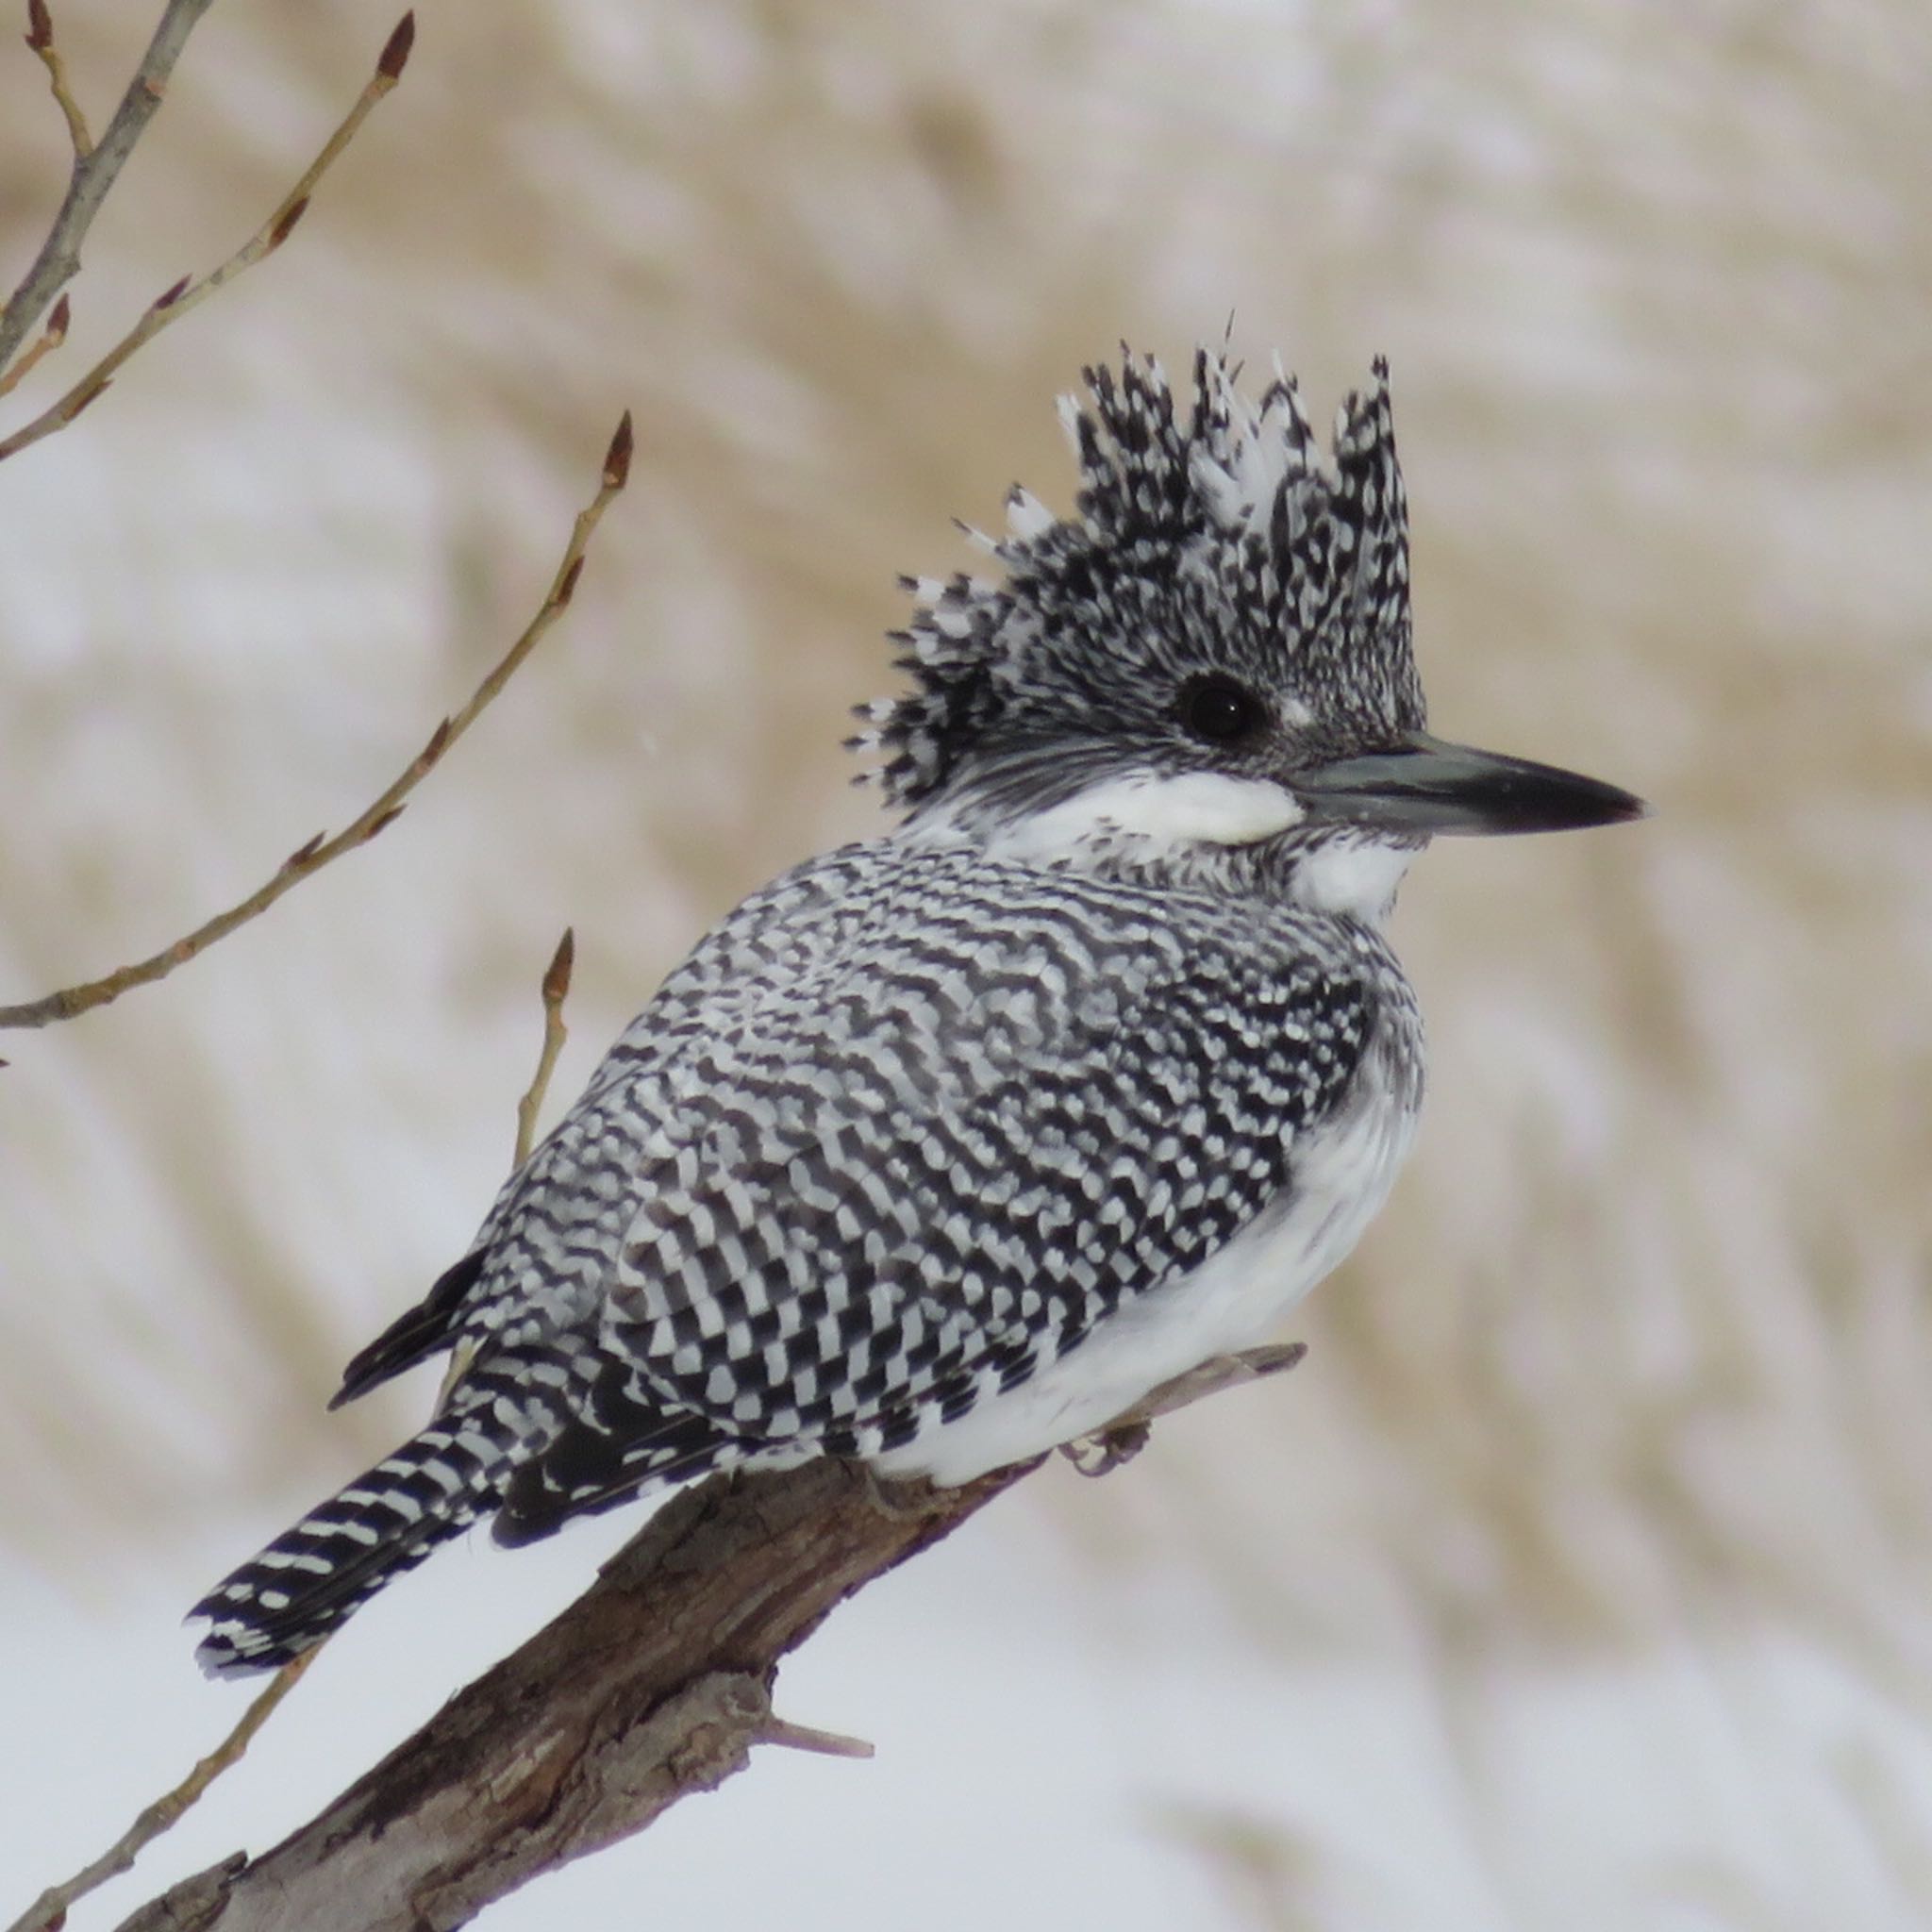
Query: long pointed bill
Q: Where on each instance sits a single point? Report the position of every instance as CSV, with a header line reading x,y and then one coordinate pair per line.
x,y
1427,786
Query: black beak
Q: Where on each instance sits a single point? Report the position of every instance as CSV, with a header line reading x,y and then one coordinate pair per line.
x,y
1426,786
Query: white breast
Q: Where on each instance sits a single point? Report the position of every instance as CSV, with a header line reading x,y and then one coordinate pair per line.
x,y
1342,1175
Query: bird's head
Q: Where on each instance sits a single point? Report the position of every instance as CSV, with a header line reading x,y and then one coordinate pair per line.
x,y
1208,669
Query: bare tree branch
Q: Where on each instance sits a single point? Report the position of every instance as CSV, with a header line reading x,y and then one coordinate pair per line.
x,y
59,260
321,851
656,1684
173,303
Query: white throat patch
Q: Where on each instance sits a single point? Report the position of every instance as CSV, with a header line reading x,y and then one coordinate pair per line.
x,y
1354,873
1157,816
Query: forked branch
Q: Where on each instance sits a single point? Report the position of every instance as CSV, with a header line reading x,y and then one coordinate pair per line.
x,y
44,343
171,304
59,259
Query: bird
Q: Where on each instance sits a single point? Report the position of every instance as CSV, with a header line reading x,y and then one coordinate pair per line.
x,y
949,1146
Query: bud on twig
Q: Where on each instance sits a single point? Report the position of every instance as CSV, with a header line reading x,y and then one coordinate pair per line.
x,y
556,975
173,293
396,51
617,458
40,26
286,225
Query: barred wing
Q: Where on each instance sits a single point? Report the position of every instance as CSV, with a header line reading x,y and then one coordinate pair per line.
x,y
938,1156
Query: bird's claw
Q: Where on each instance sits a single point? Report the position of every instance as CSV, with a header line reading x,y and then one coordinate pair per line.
x,y
1103,1452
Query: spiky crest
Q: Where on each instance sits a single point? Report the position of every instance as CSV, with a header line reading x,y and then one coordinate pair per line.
x,y
1223,539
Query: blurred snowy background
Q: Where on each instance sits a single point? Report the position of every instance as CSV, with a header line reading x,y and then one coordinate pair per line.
x,y
1583,1575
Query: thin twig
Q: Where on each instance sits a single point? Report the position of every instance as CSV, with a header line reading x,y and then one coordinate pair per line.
x,y
59,260
779,1730
40,36
171,304
44,343
320,851
50,1909
556,987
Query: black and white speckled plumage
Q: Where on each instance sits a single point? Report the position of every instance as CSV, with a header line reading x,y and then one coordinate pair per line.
x,y
945,1147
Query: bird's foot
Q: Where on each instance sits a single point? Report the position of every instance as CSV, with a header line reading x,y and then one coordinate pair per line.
x,y
1103,1452
899,1500
1123,1437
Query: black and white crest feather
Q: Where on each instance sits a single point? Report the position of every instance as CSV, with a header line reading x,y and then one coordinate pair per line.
x,y
1223,539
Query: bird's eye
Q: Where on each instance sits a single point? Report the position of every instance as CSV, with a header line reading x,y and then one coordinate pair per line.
x,y
1222,710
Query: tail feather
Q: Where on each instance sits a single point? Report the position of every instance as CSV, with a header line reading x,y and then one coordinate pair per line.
x,y
416,1333
585,1471
291,1596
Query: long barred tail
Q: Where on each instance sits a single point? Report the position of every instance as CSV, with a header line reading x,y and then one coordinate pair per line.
x,y
314,1576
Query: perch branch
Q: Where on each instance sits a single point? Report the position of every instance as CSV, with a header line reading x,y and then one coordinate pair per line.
x,y
653,1685
320,851
171,304
94,174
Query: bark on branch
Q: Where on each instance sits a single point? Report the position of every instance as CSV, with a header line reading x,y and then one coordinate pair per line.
x,y
653,1685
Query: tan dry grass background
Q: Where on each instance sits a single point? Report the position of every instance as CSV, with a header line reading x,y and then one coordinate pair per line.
x,y
1639,1353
